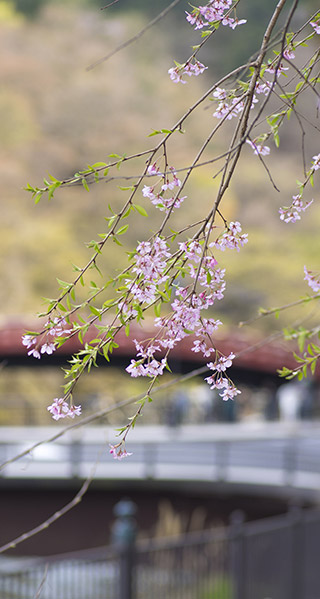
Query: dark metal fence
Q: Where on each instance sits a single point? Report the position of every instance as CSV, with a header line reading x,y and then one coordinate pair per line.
x,y
275,558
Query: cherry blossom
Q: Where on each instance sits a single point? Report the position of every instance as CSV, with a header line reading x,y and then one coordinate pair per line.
x,y
259,149
220,93
232,238
119,451
289,54
196,68
61,409
157,197
233,23
316,26
316,162
153,169
214,11
312,279
150,368
229,111
291,213
274,67
263,87
176,75
220,382
222,363
43,342
35,353
189,68
48,348
29,340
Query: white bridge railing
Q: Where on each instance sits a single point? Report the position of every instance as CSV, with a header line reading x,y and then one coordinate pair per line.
x,y
270,454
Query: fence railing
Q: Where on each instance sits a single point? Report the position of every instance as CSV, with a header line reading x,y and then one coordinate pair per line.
x,y
275,558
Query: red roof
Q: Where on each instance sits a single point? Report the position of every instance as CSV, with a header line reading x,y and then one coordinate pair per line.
x,y
252,353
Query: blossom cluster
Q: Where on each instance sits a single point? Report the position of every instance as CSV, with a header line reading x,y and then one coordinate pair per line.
x,y
312,279
46,343
189,68
220,382
316,26
156,193
213,12
119,451
258,149
315,162
207,285
151,262
61,409
290,214
232,238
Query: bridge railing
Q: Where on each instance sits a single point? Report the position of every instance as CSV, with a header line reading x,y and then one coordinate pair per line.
x,y
272,455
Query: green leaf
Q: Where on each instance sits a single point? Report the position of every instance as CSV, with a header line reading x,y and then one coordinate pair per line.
x,y
99,164
140,209
64,284
105,350
85,184
122,230
157,309
115,240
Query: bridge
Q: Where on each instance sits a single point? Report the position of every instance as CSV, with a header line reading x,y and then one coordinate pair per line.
x,y
256,356
275,458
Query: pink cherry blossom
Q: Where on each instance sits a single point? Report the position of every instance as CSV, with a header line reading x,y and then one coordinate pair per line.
x,y
259,149
196,68
213,11
312,279
48,348
176,75
233,23
43,342
195,19
316,162
229,392
274,67
316,26
29,340
61,409
263,87
119,451
153,169
291,214
220,93
288,54
232,238
35,353
222,363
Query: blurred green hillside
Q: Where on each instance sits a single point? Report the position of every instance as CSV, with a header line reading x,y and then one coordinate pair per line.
x,y
56,117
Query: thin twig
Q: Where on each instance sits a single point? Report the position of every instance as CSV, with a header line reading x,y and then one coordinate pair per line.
x,y
108,5
44,525
263,312
44,578
135,37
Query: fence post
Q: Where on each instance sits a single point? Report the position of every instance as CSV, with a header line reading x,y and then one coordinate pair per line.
x,y
237,554
296,582
123,536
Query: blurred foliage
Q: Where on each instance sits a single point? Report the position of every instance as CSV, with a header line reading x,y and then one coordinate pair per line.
x,y
57,117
